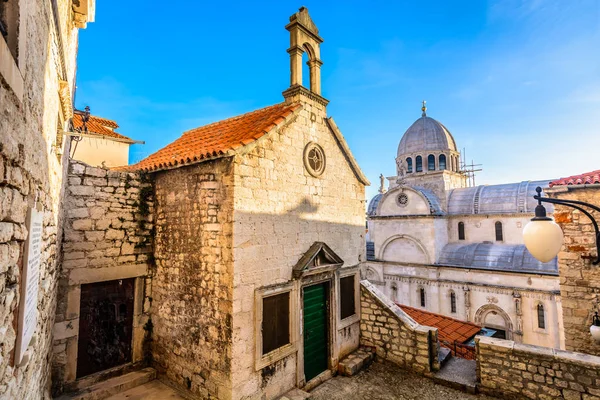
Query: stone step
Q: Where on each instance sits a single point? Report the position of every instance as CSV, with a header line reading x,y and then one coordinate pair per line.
x,y
444,355
295,394
112,386
355,361
458,373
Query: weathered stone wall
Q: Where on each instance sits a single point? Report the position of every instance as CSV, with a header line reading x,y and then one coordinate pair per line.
x,y
517,371
280,211
395,336
192,286
579,279
108,232
31,166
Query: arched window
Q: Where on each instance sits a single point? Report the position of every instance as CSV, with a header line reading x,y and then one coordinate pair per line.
x,y
419,162
452,302
409,165
499,236
422,295
540,316
442,162
461,231
431,162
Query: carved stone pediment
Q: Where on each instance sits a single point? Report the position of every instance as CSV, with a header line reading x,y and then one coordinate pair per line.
x,y
319,258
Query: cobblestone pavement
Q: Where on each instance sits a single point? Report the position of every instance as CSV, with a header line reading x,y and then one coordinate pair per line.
x,y
384,381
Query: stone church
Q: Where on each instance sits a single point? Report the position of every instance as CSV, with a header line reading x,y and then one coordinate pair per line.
x,y
437,244
259,232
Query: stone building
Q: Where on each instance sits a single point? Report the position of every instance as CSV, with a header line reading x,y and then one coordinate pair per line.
x,y
579,278
38,48
98,142
259,232
436,244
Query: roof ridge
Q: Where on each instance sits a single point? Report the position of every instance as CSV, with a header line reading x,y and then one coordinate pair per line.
x,y
236,117
440,315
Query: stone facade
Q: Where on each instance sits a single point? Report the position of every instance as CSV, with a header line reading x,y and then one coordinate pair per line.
x,y
192,288
395,336
515,371
36,87
579,279
280,210
108,229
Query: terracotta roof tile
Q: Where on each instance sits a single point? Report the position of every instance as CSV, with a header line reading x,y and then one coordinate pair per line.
x,y
217,139
449,329
583,179
98,126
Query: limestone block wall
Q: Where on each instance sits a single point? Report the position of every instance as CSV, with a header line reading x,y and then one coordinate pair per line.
x,y
108,231
395,336
280,211
192,287
579,279
515,371
31,166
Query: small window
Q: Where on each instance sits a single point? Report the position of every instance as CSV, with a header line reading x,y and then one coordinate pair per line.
x,y
419,162
540,316
347,304
409,165
276,322
9,21
431,162
499,236
461,231
442,162
422,295
452,302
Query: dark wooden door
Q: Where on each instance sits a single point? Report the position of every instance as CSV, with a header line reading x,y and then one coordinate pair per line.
x,y
105,325
315,330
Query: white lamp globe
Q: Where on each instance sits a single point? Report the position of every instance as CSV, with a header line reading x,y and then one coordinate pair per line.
x,y
595,331
595,328
543,239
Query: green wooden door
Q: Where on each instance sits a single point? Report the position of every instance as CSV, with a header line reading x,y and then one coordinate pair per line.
x,y
315,330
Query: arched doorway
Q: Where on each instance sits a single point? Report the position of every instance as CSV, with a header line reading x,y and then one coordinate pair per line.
x,y
496,319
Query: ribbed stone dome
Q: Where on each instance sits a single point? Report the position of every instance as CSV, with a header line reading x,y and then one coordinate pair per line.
x,y
426,134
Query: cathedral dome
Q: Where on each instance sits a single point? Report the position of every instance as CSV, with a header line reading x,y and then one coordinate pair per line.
x,y
426,134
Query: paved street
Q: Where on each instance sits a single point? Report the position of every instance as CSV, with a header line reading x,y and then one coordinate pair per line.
x,y
387,382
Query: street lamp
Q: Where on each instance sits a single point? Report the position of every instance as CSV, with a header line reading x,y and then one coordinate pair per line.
x,y
544,238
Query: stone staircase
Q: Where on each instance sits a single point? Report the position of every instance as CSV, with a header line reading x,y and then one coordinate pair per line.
x,y
458,373
356,361
110,387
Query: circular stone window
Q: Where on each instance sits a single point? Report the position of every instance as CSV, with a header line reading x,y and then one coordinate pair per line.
x,y
314,159
402,199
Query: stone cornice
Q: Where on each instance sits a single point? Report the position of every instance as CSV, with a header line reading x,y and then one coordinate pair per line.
x,y
301,90
498,289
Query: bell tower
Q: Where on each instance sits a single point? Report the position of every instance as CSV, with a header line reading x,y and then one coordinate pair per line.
x,y
304,37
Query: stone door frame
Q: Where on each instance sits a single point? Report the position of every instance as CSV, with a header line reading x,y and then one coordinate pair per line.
x,y
69,329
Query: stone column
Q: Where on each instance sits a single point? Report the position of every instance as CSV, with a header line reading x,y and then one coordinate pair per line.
x,y
315,75
467,293
518,332
295,65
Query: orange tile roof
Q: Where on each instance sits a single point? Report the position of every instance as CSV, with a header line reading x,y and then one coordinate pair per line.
x,y
449,329
98,126
217,139
583,179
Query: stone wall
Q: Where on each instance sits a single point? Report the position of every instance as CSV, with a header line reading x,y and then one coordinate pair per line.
x,y
395,336
192,287
517,371
31,167
108,231
579,279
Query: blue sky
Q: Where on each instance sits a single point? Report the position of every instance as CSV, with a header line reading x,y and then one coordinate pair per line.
x,y
517,82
